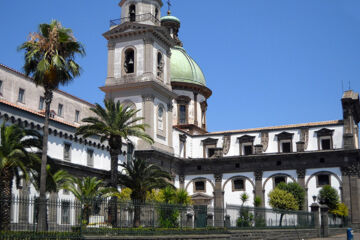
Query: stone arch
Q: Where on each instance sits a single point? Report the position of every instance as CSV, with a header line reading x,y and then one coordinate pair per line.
x,y
129,103
323,172
278,175
200,178
238,176
128,53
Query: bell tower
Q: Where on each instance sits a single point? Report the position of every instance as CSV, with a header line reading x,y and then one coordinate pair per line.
x,y
139,68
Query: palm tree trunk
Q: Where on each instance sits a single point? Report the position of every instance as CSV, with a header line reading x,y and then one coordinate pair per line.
x,y
114,154
6,178
43,206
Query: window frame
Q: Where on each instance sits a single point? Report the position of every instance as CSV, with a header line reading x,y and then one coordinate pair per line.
x,y
60,112
279,176
22,100
198,181
41,103
77,116
318,185
123,72
160,65
62,212
238,179
1,87
90,157
69,158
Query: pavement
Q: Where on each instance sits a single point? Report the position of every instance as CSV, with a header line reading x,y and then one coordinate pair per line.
x,y
339,237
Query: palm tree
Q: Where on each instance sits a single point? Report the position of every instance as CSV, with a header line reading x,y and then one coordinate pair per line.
x,y
49,60
15,160
113,124
142,177
88,191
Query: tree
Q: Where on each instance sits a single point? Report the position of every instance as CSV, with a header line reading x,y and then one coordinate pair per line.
x,y
296,190
245,217
89,192
142,177
15,161
50,61
282,200
113,124
329,196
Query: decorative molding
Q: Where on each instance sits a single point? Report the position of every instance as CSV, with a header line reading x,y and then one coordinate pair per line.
x,y
183,100
324,132
210,141
258,175
170,107
301,173
304,136
218,177
264,140
148,98
226,144
246,139
352,170
284,136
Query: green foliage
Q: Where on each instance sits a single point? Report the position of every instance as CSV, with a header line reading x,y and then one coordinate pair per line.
x,y
244,198
296,190
257,201
329,196
341,210
27,235
280,199
246,218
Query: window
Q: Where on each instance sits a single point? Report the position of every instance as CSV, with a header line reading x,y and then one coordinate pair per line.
x,y
279,179
326,144
132,13
1,91
77,116
211,152
52,114
60,110
156,13
182,149
129,63
200,186
21,96
238,184
182,112
130,151
248,149
160,117
90,157
323,179
67,152
41,103
160,65
286,147
65,212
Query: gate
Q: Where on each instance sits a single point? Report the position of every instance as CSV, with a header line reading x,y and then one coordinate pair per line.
x,y
200,212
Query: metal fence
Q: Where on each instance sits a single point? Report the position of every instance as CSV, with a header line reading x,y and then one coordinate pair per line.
x,y
69,215
337,221
248,217
136,18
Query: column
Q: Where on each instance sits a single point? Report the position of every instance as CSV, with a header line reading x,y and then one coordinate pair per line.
x,y
195,109
111,59
259,192
218,201
324,209
345,193
315,210
170,123
351,191
148,115
182,181
148,61
301,181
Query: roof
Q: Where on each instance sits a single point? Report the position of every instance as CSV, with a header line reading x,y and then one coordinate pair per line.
x,y
184,68
170,18
57,90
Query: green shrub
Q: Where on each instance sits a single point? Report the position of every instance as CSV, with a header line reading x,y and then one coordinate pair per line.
x,y
329,196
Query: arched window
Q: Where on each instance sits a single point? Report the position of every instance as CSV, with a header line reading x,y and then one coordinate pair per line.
x,y
129,61
160,65
156,13
132,13
161,117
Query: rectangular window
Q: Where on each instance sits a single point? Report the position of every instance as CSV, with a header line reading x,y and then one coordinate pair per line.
x,y
77,116
325,144
238,185
67,152
323,179
130,151
278,180
248,150
1,85
286,147
60,110
65,212
211,152
41,103
90,158
182,112
21,96
200,186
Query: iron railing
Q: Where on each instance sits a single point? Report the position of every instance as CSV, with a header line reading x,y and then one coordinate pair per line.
x,y
136,18
337,221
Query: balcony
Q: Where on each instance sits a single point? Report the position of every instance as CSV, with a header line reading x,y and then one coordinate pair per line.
x,y
136,18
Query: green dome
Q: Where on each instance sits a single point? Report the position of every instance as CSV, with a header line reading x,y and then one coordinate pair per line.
x,y
184,68
170,18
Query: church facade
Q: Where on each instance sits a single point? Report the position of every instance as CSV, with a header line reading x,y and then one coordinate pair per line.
x,y
149,70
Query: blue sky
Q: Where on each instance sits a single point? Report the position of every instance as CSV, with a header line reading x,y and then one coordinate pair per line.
x,y
268,62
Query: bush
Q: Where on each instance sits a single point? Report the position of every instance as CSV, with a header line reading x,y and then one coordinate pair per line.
x,y
246,218
296,190
329,196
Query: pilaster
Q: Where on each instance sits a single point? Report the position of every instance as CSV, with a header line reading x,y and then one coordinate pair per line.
x,y
149,56
111,59
170,123
301,181
148,115
218,201
195,109
258,187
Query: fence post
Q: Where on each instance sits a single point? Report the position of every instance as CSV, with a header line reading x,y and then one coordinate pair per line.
x,y
324,209
315,209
